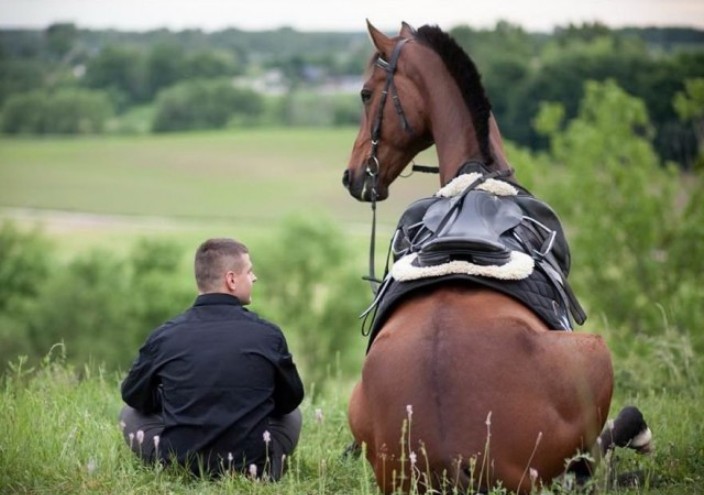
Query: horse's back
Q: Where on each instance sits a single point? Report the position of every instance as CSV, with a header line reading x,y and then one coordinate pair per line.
x,y
483,378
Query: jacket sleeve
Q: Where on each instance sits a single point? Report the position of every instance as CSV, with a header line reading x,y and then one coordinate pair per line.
x,y
288,388
141,388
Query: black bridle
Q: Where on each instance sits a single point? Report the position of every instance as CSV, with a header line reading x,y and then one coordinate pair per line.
x,y
372,169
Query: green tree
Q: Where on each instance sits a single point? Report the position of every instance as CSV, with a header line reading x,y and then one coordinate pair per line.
x,y
19,75
633,243
689,105
204,104
165,65
23,113
60,39
120,70
65,111
210,65
77,111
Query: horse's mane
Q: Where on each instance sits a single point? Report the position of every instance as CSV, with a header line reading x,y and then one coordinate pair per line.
x,y
465,73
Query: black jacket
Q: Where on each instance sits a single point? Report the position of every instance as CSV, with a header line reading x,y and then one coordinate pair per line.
x,y
216,373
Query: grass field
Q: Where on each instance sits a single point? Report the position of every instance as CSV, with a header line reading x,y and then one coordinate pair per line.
x,y
244,179
61,437
60,432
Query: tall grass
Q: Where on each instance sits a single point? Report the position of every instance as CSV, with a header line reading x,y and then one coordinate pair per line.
x,y
61,436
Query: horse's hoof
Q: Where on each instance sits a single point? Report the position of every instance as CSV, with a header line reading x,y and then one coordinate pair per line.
x,y
629,430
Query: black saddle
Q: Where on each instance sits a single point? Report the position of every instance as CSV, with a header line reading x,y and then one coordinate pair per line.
x,y
483,228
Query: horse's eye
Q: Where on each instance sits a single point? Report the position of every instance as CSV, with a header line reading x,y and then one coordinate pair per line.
x,y
366,95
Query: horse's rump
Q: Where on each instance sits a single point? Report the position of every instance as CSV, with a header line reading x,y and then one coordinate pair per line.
x,y
484,379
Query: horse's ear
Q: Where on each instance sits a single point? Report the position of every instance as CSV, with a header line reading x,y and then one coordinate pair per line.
x,y
407,31
383,43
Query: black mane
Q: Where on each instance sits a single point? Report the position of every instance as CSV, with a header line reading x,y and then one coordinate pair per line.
x,y
465,73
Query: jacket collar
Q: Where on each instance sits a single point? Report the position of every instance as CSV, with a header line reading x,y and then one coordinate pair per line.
x,y
216,298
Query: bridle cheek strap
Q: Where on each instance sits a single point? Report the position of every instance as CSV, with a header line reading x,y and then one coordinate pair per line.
x,y
373,162
389,87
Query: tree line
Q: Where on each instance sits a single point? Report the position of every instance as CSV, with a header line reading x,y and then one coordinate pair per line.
x,y
69,80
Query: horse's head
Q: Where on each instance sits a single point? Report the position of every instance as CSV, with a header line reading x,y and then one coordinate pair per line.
x,y
422,89
393,128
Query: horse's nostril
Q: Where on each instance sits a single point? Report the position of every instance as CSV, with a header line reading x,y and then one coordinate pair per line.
x,y
346,178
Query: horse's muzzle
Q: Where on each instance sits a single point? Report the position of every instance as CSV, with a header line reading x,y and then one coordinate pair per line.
x,y
356,186
363,187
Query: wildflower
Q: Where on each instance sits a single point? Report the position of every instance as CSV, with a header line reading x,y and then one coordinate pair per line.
x,y
123,425
253,470
413,457
267,437
131,437
488,419
409,410
91,466
140,436
156,442
319,415
533,474
230,457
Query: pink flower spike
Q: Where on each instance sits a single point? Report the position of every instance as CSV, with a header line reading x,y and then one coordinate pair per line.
x,y
413,458
533,474
156,442
253,470
131,437
140,436
267,437
409,410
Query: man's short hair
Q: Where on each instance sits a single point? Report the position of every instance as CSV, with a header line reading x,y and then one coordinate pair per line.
x,y
215,257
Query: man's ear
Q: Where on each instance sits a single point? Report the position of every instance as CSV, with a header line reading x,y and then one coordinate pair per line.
x,y
230,280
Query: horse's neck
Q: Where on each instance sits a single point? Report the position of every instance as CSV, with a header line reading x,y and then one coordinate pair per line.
x,y
455,138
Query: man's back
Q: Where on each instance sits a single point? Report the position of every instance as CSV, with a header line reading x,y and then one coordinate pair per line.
x,y
219,372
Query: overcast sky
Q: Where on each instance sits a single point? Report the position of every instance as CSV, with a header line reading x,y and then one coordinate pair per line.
x,y
346,15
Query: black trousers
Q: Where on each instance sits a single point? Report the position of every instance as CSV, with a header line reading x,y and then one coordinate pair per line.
x,y
142,432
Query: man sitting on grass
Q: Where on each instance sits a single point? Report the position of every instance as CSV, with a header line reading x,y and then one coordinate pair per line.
x,y
215,388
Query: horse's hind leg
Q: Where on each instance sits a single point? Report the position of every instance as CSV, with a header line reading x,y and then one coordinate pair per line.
x,y
628,430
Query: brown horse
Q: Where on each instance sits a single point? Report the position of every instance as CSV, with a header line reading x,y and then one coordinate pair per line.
x,y
463,387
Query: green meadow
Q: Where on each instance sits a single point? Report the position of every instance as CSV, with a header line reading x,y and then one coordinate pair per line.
x,y
60,433
244,179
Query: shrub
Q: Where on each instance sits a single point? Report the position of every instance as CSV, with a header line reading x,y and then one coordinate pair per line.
x,y
203,104
99,305
67,111
312,294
